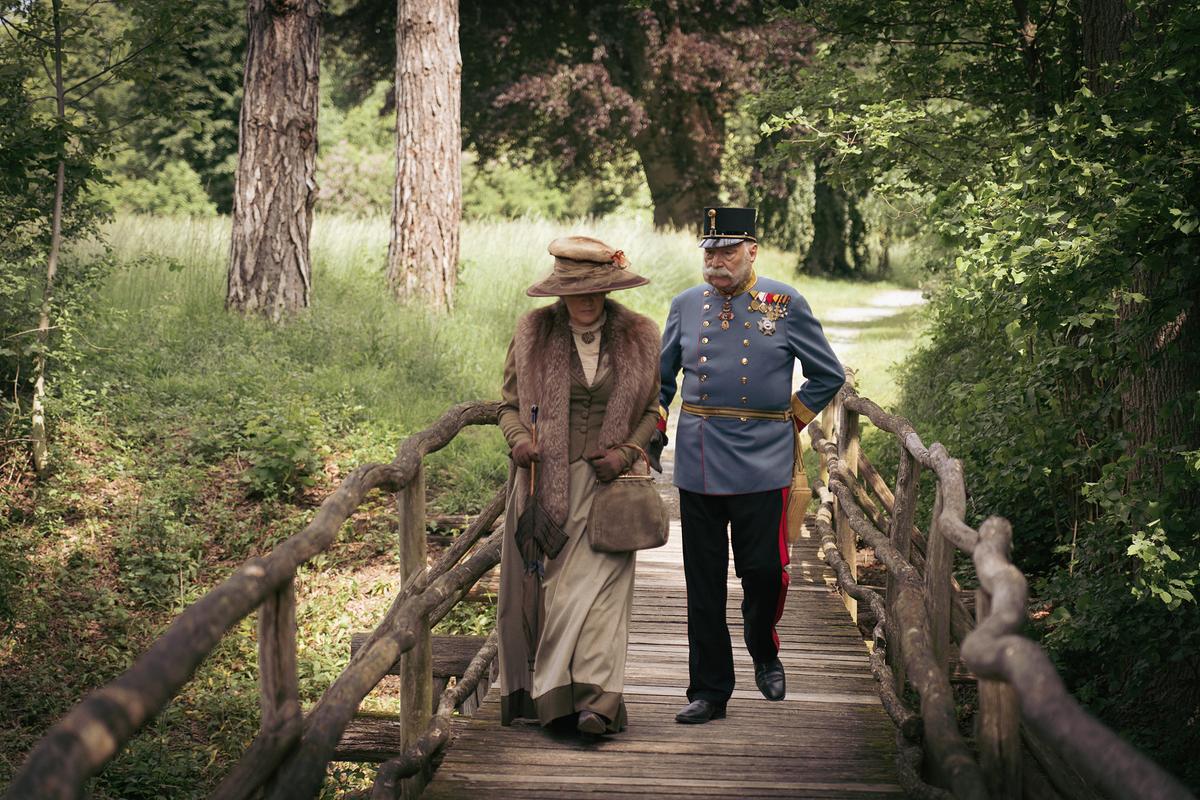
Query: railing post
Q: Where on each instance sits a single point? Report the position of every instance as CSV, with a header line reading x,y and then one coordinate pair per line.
x,y
998,726
848,446
279,686
416,666
904,510
939,564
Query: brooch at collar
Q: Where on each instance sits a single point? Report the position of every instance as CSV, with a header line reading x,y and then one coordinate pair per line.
x,y
772,307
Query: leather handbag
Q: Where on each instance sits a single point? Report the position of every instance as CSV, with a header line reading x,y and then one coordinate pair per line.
x,y
800,493
628,513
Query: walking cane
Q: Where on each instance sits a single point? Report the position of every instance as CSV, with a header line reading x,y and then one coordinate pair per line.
x,y
533,414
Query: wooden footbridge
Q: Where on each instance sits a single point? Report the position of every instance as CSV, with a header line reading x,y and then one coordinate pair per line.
x,y
865,717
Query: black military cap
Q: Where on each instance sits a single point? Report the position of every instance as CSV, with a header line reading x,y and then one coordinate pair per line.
x,y
721,227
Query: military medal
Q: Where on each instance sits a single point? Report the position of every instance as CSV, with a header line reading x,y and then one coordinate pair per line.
x,y
726,314
772,307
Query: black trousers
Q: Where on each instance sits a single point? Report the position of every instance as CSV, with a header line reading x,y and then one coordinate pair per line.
x,y
757,524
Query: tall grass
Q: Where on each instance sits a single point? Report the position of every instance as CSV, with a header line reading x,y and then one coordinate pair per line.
x,y
373,369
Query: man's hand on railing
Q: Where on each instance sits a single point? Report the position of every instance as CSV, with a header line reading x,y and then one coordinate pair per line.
x,y
525,453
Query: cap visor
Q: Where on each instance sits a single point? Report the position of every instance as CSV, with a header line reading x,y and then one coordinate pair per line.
x,y
711,242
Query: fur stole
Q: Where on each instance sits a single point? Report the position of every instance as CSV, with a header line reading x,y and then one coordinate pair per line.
x,y
543,352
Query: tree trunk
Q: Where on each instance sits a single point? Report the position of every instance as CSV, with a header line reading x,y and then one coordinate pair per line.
x,y
776,192
270,272
681,158
38,437
427,197
1159,394
838,232
1106,24
1035,72
1159,389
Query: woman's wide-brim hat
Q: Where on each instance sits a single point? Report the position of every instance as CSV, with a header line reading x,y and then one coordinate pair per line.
x,y
583,265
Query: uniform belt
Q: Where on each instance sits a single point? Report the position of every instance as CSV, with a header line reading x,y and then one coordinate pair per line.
x,y
740,413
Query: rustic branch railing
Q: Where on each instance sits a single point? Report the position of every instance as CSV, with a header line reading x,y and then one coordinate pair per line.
x,y
1022,701
288,757
1021,697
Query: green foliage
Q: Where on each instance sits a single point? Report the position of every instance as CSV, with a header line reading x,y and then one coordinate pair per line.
x,y
199,78
1065,198
356,170
469,618
158,554
175,190
283,457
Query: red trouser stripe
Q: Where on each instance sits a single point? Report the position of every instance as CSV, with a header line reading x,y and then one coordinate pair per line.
x,y
783,562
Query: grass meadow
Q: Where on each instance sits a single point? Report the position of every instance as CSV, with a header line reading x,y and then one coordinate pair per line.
x,y
188,439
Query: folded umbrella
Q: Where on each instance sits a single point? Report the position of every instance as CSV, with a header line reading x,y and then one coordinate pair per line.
x,y
537,536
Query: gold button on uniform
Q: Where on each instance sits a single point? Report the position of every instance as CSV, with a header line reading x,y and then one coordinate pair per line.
x,y
707,292
743,419
707,323
745,400
704,340
703,377
745,379
703,359
707,306
703,397
746,324
745,361
745,342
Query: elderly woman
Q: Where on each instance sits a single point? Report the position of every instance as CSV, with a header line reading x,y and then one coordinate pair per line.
x,y
590,365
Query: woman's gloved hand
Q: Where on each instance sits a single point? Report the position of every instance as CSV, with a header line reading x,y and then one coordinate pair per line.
x,y
607,463
525,453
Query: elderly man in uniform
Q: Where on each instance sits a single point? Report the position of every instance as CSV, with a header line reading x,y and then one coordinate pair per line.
x,y
736,338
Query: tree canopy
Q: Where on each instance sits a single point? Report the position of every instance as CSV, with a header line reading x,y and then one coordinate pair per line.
x,y
1053,149
605,86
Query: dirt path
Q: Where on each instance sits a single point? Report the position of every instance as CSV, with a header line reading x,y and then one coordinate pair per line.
x,y
843,326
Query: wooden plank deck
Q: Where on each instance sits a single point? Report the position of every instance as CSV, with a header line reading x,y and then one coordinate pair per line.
x,y
829,739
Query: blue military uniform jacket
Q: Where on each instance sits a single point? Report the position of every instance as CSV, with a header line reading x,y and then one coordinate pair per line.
x,y
747,365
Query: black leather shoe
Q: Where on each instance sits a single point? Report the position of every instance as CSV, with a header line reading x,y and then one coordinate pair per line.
x,y
769,677
699,711
591,722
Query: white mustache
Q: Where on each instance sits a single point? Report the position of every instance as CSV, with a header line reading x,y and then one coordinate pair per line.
x,y
717,272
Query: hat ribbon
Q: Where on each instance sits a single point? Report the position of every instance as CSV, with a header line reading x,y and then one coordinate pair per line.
x,y
570,268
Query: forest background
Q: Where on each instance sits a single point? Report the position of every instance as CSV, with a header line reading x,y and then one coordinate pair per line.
x,y
1033,166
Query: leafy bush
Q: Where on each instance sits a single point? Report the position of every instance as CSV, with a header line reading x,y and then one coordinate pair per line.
x,y
355,181
159,552
284,460
175,189
1074,290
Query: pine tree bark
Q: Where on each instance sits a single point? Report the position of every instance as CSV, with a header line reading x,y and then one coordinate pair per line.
x,y
270,271
427,197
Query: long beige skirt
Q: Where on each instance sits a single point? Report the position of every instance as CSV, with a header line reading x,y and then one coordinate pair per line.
x,y
583,625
